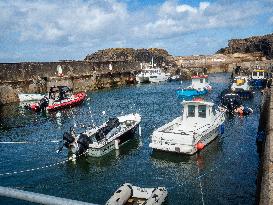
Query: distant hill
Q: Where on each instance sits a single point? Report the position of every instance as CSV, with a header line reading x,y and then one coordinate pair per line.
x,y
262,44
160,56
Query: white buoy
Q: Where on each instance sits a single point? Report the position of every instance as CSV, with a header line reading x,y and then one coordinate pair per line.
x,y
139,130
116,144
103,112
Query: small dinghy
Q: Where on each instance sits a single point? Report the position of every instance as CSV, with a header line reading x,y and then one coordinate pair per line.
x,y
30,97
232,104
198,126
128,194
101,140
242,87
230,101
58,98
200,86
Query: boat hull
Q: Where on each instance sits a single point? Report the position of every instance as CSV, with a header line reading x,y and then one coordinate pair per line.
x,y
188,149
77,99
142,79
258,83
30,97
190,92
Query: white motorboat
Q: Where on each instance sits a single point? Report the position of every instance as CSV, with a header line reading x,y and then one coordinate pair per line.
x,y
129,194
198,126
152,75
30,97
101,140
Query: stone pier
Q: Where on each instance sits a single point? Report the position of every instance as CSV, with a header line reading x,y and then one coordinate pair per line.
x,y
265,181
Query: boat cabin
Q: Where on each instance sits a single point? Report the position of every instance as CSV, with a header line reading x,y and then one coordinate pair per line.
x,y
199,81
258,74
198,111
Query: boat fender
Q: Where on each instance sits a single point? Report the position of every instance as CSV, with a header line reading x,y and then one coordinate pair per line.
x,y
121,196
200,146
222,129
158,196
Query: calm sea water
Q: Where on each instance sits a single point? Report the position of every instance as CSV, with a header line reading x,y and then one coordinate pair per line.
x,y
223,173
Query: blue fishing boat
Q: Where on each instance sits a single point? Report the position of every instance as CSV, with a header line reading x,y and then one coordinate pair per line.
x,y
258,78
200,86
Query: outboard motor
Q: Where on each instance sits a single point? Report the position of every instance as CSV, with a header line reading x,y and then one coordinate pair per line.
x,y
44,102
69,138
83,143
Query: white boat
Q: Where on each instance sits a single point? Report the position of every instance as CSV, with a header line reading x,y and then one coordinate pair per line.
x,y
200,82
152,75
198,126
30,97
101,140
241,85
129,194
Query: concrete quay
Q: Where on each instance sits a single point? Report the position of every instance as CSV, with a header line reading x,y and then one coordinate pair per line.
x,y
265,180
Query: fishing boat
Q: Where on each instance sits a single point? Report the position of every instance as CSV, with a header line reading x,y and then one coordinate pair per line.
x,y
199,124
128,194
199,86
58,98
99,141
242,87
30,97
258,78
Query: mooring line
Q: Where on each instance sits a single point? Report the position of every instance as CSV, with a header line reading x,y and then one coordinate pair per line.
x,y
42,167
29,142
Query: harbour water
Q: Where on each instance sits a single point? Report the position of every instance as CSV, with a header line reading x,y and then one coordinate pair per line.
x,y
223,173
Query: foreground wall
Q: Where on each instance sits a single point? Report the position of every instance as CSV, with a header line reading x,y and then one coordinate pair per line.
x,y
266,186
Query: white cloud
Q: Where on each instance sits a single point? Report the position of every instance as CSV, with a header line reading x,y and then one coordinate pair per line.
x,y
94,24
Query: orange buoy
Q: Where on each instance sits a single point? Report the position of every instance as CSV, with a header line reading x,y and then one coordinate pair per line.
x,y
200,146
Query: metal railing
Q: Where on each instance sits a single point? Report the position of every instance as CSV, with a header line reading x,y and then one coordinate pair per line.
x,y
38,198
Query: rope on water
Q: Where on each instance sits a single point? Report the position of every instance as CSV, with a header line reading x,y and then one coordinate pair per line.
x,y
28,142
40,168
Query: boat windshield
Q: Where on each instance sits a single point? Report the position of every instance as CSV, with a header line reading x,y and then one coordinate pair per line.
x,y
254,74
201,80
202,111
191,111
206,80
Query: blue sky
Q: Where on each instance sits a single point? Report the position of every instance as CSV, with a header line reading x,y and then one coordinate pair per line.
x,y
52,30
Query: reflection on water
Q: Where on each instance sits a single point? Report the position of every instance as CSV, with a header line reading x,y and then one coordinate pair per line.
x,y
223,173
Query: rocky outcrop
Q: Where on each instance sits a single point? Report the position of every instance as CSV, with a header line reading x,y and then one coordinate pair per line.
x,y
260,44
160,56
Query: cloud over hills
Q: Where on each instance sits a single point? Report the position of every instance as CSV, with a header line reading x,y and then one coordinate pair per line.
x,y
52,30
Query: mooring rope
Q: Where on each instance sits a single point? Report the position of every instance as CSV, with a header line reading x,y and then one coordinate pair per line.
x,y
28,142
40,168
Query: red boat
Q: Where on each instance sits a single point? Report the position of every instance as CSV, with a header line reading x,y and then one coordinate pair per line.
x,y
58,98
